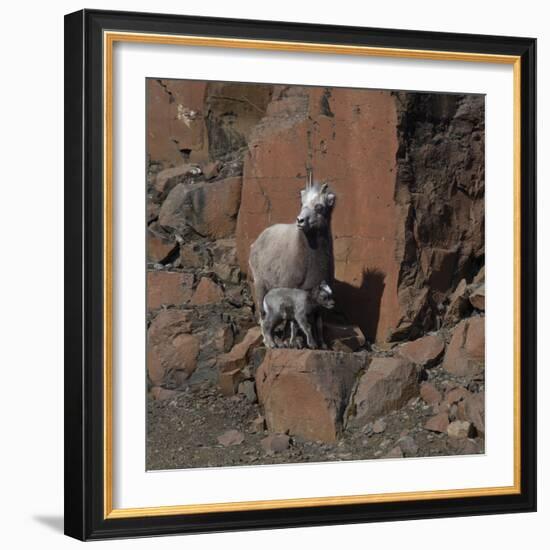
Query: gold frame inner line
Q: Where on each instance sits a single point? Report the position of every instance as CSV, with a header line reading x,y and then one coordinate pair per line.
x,y
109,39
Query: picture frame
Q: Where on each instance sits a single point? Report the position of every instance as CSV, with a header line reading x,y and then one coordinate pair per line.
x,y
90,36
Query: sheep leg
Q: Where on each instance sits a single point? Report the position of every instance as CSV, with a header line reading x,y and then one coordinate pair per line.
x,y
319,327
268,325
259,293
306,327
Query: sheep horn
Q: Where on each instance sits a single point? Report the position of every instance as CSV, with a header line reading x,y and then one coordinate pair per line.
x,y
324,187
309,178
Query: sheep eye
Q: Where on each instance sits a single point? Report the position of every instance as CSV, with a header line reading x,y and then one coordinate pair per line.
x,y
318,208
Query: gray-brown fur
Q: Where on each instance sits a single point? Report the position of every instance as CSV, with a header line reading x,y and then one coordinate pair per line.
x,y
297,255
299,307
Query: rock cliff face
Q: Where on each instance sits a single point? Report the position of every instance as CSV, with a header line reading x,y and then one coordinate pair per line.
x,y
408,172
225,161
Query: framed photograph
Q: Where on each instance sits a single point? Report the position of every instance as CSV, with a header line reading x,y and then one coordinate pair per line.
x,y
300,274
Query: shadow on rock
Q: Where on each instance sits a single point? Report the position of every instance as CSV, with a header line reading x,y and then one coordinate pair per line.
x,y
361,305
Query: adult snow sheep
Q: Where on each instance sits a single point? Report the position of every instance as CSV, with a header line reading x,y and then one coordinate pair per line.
x,y
297,255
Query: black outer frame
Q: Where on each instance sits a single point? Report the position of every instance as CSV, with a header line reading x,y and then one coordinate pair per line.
x,y
84,275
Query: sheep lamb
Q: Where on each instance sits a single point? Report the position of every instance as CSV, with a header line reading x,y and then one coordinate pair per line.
x,y
299,307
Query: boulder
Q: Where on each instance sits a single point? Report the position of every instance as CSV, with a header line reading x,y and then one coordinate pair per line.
x,y
465,355
474,411
207,292
176,128
239,355
305,392
158,249
168,288
172,350
167,179
456,395
429,393
425,352
477,297
387,385
438,423
209,208
460,429
459,304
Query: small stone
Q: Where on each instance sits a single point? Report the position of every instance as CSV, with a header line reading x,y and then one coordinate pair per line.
x,y
460,429
429,393
477,298
456,395
231,438
437,423
396,452
275,443
425,351
379,426
207,292
408,445
162,394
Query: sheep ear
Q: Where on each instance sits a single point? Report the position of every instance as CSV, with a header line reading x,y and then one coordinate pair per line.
x,y
330,199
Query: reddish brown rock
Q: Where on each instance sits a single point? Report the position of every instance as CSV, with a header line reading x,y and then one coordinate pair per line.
x,y
231,438
167,179
429,393
207,292
158,250
209,208
239,355
459,304
305,392
465,355
172,351
275,443
425,351
175,123
438,423
396,452
456,395
387,385
379,426
168,324
474,411
168,288
466,446
477,297
229,380
211,169
162,394
190,256
460,429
